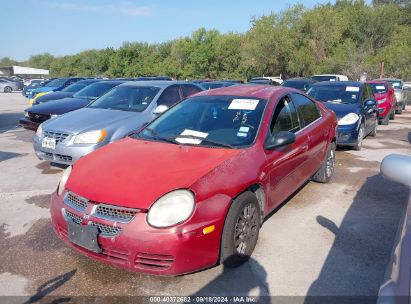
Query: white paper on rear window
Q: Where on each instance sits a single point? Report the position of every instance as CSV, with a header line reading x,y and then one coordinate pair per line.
x,y
193,141
380,87
352,89
243,104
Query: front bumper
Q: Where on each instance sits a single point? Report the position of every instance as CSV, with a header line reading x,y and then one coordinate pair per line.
x,y
347,135
29,124
383,111
142,248
64,153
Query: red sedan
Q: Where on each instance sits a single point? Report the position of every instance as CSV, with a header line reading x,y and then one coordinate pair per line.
x,y
385,97
192,188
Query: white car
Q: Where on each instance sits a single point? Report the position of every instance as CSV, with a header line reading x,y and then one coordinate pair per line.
x,y
330,77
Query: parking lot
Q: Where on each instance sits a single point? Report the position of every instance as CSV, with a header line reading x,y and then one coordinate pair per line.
x,y
328,239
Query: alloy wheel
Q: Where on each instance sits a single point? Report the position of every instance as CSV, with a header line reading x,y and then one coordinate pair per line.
x,y
246,229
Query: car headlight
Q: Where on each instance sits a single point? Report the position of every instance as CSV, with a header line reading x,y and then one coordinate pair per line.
x,y
349,119
92,137
381,100
63,181
39,131
171,209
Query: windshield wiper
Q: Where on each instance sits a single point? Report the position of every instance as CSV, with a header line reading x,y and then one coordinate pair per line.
x,y
158,136
211,141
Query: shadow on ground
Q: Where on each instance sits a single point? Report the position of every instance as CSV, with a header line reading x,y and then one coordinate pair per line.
x,y
9,121
362,248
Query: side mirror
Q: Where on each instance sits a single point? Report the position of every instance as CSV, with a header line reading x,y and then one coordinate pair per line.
x,y
370,103
282,138
160,109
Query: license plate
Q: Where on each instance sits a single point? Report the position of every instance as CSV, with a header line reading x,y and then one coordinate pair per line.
x,y
49,143
84,236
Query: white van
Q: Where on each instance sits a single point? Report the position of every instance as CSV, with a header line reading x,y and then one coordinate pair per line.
x,y
330,77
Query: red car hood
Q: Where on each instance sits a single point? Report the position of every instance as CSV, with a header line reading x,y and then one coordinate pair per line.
x,y
135,173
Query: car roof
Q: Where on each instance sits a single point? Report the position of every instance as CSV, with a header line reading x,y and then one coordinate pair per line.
x,y
300,79
155,83
339,83
392,79
383,81
256,91
111,81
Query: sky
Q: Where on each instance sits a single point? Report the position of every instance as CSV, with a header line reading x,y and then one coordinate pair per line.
x,y
64,27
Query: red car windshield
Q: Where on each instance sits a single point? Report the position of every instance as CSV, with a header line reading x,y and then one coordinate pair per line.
x,y
224,121
378,88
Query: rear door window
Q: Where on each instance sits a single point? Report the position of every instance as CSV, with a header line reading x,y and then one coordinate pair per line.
x,y
306,107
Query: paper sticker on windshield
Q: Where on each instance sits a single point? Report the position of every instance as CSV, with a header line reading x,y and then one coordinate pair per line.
x,y
241,134
244,129
243,104
380,87
188,140
352,89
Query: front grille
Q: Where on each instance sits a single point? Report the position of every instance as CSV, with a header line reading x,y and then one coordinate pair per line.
x,y
75,201
107,230
116,255
58,136
38,117
115,213
65,158
153,261
75,218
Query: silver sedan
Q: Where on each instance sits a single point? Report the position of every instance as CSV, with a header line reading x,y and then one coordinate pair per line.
x,y
115,115
8,86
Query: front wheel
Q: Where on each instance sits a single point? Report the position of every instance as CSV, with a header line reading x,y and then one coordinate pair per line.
x,y
324,174
399,110
241,229
392,115
374,131
8,90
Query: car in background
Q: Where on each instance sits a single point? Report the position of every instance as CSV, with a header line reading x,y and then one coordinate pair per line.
x,y
18,83
55,85
330,77
400,93
7,86
385,97
34,85
407,88
192,189
66,92
37,114
29,81
115,115
396,284
275,81
302,84
210,85
355,106
146,78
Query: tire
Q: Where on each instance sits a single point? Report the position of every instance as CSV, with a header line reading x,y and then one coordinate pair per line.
x,y
373,133
399,110
235,250
8,90
360,138
324,174
392,115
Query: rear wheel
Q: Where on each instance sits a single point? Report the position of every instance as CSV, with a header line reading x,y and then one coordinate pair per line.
x,y
241,229
8,90
324,174
360,138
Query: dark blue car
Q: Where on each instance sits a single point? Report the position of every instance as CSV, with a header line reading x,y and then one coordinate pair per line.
x,y
355,107
55,85
66,92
